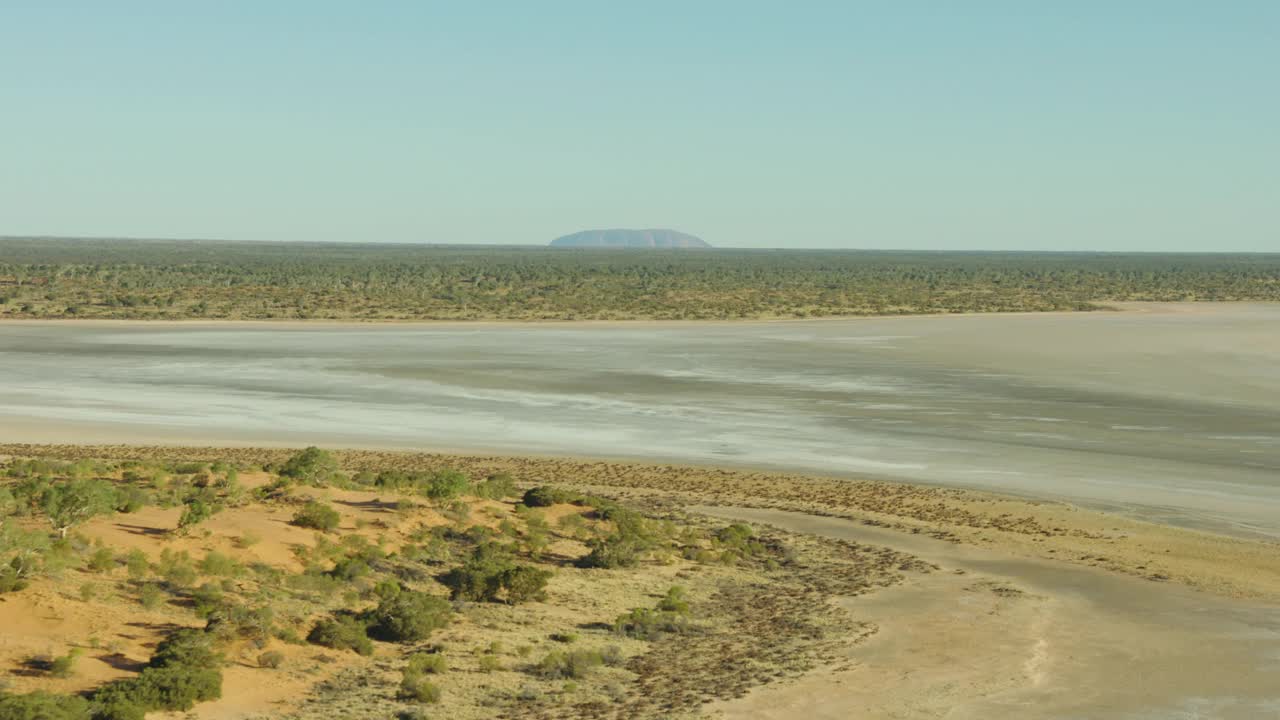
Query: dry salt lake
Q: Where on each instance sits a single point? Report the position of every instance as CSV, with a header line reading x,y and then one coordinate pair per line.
x,y
1171,412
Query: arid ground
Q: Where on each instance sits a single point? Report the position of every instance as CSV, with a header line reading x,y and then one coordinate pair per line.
x,y
888,600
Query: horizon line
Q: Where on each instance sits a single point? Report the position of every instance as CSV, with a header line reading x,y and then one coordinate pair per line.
x,y
548,246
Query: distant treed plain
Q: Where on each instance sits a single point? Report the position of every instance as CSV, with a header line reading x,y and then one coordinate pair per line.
x,y
155,279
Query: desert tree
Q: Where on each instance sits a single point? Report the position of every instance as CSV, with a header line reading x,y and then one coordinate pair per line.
x,y
70,503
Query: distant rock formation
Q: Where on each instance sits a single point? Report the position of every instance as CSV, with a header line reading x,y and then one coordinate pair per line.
x,y
630,239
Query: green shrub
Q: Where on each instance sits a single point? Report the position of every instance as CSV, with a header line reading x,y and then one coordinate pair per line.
x,y
612,656
740,538
102,560
489,663
43,706
313,581
409,616
343,632
232,622
419,689
135,561
185,647
150,596
524,583
317,515
64,665
216,563
177,687
546,495
176,568
312,466
446,485
558,665
648,624
194,512
614,551
490,572
350,568
183,671
674,601
206,599
427,664
479,578
130,499
11,581
271,659
496,487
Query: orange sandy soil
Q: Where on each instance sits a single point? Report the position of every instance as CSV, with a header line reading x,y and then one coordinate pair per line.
x,y
117,635
1221,565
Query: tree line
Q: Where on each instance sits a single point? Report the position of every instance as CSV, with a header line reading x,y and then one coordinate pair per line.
x,y
143,279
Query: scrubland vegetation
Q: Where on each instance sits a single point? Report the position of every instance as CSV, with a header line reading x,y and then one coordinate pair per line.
x,y
315,589
135,279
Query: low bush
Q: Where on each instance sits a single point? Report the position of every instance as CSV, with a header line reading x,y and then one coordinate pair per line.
x,y
446,485
183,671
350,568
176,568
408,616
150,596
194,512
64,665
738,540
43,706
547,495
427,664
11,580
614,551
491,574
312,466
496,487
648,624
419,689
135,561
230,622
576,664
612,656
215,563
206,599
271,659
674,601
189,647
102,560
317,515
342,632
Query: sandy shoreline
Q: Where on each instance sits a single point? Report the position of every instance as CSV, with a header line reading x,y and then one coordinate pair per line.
x,y
1046,530
1159,308
1155,308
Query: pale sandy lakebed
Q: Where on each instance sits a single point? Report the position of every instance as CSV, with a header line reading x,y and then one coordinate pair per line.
x,y
994,635
1171,412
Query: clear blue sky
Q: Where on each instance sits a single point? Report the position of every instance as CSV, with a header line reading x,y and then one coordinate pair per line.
x,y
1079,124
